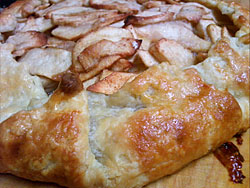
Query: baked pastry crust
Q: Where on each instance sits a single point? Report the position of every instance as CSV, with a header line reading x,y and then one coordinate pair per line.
x,y
162,120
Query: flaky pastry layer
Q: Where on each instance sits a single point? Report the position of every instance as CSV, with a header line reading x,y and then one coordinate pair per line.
x,y
166,117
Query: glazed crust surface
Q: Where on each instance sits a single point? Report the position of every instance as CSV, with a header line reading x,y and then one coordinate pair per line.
x,y
153,126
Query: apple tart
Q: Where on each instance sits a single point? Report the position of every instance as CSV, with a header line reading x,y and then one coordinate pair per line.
x,y
106,93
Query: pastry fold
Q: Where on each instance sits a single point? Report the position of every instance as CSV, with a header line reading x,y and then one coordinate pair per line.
x,y
156,124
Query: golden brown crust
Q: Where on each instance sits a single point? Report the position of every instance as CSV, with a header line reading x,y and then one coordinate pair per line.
x,y
179,122
151,127
47,135
238,14
238,64
179,133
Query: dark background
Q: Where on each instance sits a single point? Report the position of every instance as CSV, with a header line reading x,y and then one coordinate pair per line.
x,y
5,3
